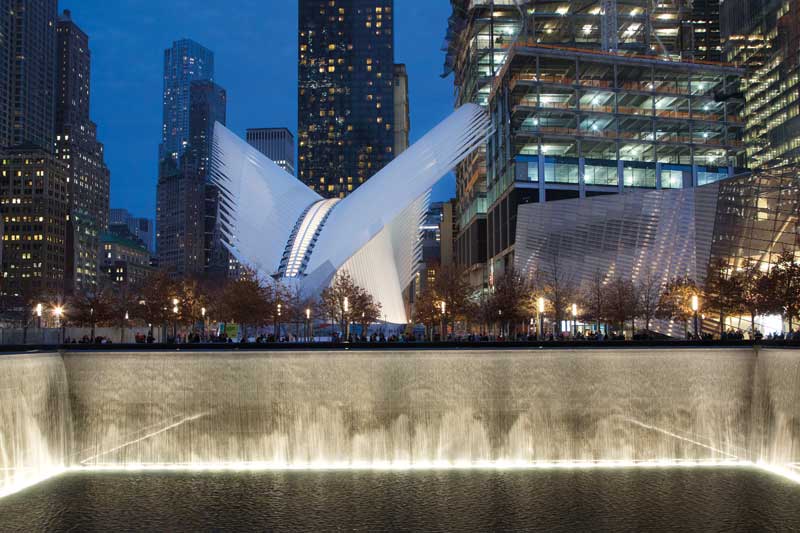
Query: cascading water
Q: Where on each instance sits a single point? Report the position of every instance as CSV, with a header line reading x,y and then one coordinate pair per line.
x,y
35,421
417,409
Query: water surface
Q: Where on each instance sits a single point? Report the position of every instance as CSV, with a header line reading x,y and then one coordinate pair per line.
x,y
675,499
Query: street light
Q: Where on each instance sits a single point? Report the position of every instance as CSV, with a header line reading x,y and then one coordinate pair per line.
x,y
574,319
58,312
443,325
308,323
39,316
695,307
278,324
175,320
540,307
124,325
346,306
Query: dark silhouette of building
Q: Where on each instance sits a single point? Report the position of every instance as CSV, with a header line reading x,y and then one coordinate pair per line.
x,y
345,92
186,204
77,146
137,227
33,186
275,143
27,72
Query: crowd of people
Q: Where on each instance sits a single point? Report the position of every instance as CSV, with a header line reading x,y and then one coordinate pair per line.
x,y
195,337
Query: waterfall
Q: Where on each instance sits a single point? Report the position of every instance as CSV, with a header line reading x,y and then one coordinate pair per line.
x,y
373,409
35,421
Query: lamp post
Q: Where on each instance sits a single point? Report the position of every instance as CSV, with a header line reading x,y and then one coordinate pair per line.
x,y
203,314
346,307
540,308
124,326
39,316
574,320
695,307
91,319
308,323
500,314
530,327
175,320
278,328
58,312
443,307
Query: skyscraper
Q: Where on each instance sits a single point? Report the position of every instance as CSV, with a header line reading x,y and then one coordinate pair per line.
x,y
402,118
345,92
77,146
28,62
275,143
763,37
186,61
186,205
33,186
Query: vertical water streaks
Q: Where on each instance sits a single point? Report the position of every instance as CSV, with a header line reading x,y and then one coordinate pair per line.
x,y
411,408
404,409
35,419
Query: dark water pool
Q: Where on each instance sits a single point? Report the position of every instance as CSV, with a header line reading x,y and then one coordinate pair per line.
x,y
699,499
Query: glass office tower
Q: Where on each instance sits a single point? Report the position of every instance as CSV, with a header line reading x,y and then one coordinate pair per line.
x,y
345,92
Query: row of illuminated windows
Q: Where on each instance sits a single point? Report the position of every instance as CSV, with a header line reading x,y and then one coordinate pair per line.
x,y
16,237
558,170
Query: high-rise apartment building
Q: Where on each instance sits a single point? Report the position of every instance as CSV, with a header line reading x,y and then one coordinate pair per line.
x,y
27,72
345,92
402,117
77,146
186,203
275,143
33,182
34,207
586,99
186,61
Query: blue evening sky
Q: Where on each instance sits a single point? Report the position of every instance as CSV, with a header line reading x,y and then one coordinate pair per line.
x,y
255,47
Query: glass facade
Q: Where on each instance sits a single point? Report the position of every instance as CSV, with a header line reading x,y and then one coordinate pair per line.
x,y
576,123
186,61
345,92
574,89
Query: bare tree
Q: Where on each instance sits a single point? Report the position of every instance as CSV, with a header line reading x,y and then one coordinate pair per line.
x,y
621,302
675,302
721,291
426,310
648,290
593,298
753,292
510,300
559,289
783,286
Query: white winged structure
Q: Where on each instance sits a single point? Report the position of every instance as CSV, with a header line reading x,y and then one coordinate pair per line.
x,y
274,224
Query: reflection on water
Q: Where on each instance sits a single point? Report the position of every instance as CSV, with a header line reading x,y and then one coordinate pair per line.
x,y
697,499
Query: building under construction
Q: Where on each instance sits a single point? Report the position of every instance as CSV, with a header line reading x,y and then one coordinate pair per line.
x,y
586,98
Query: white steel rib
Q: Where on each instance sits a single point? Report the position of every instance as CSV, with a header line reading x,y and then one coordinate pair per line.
x,y
302,241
